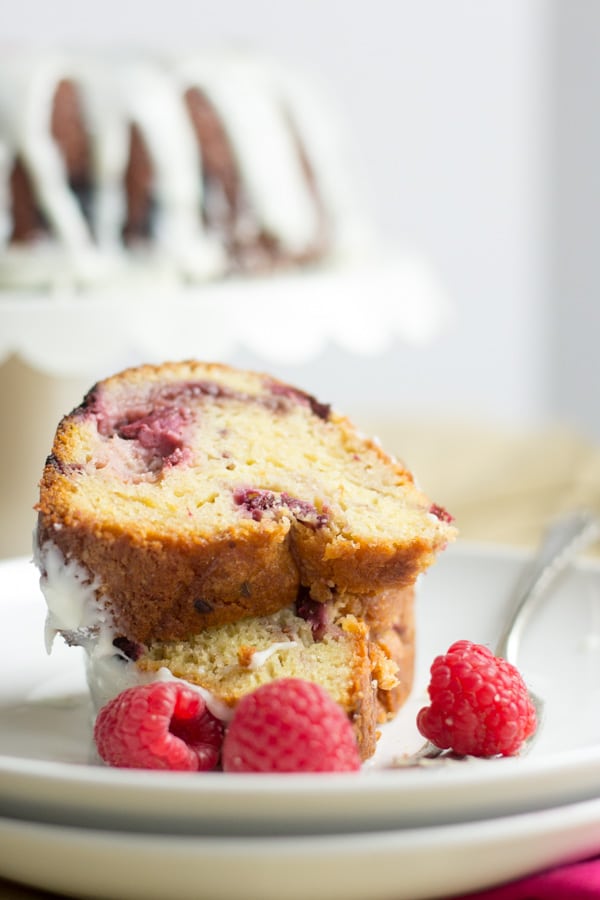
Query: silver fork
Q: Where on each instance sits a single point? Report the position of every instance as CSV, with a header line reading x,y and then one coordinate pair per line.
x,y
562,542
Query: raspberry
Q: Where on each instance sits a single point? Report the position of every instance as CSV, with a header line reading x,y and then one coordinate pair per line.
x,y
479,703
290,725
159,726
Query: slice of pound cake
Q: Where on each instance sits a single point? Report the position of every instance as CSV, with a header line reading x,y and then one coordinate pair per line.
x,y
216,525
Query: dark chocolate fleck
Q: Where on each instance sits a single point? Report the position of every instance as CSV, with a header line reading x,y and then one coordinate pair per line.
x,y
128,648
202,606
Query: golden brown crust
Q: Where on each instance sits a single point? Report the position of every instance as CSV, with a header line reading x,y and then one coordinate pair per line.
x,y
364,713
397,642
161,590
382,610
162,578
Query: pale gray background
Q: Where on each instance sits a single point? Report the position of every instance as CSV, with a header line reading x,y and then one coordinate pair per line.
x,y
475,126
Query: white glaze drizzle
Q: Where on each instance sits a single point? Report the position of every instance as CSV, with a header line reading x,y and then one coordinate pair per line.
x,y
70,596
219,709
327,147
73,608
252,111
254,100
259,657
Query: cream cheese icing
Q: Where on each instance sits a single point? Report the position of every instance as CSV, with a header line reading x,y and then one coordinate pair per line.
x,y
259,657
74,610
71,599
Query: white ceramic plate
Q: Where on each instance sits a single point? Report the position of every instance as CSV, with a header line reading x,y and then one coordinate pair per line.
x,y
408,864
45,750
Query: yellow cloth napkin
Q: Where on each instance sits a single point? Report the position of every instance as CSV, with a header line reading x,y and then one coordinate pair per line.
x,y
500,485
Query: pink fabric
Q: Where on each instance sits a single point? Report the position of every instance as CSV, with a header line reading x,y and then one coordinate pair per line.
x,y
578,881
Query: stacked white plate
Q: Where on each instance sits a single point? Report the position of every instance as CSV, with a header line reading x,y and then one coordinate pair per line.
x,y
72,826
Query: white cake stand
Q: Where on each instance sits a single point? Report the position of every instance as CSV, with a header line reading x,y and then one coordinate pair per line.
x,y
54,346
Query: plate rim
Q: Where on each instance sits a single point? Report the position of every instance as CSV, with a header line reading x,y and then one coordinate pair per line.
x,y
536,834
382,784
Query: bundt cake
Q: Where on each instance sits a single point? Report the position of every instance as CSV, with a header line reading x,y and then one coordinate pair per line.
x,y
195,167
227,528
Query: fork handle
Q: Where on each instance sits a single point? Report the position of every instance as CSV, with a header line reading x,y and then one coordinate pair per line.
x,y
562,542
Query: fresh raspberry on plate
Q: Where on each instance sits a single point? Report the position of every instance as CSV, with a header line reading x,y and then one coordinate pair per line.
x,y
159,726
290,725
479,703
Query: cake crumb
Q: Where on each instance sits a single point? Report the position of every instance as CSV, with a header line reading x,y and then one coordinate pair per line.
x,y
245,656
